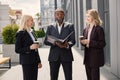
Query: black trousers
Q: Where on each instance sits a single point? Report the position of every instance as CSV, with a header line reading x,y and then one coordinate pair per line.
x,y
93,73
30,72
54,70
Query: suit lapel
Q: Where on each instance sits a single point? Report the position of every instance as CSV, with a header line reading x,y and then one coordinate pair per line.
x,y
86,33
28,36
62,29
56,29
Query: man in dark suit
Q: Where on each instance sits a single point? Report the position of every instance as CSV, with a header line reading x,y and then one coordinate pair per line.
x,y
60,53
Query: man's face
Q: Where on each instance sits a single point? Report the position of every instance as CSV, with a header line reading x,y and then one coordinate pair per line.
x,y
59,16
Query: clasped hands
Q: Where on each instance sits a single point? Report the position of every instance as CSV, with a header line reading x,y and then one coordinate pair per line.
x,y
62,45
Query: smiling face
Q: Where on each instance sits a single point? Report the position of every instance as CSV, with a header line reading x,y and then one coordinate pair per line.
x,y
92,17
89,19
59,16
30,22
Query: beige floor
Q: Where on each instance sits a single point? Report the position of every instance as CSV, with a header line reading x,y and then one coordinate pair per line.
x,y
15,73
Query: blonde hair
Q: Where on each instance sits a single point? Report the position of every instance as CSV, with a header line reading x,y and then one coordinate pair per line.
x,y
95,15
23,23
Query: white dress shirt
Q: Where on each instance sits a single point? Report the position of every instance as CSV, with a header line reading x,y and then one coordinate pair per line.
x,y
31,35
59,27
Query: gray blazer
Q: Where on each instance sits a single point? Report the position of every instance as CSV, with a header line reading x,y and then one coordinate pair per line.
x,y
56,53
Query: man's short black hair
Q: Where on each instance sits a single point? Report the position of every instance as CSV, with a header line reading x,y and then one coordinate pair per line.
x,y
59,10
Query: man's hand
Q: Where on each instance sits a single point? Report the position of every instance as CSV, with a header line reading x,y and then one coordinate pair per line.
x,y
62,45
39,65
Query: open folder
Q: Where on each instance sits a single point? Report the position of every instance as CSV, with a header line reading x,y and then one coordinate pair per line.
x,y
53,39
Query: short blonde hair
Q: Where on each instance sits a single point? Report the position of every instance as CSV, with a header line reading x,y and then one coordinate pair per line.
x,y
95,15
23,23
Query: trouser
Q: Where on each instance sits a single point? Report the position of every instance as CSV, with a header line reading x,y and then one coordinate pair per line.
x,y
30,71
54,70
93,73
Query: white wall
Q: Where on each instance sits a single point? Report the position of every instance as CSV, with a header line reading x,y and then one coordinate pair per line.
x,y
94,4
118,17
75,16
78,3
114,36
4,16
36,27
84,11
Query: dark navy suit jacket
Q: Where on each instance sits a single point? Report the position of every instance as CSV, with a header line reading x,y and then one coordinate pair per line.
x,y
94,55
22,47
56,53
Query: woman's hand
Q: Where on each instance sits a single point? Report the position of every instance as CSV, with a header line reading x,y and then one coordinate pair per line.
x,y
39,65
34,46
84,42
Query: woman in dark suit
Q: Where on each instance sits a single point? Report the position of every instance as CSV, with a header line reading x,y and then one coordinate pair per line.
x,y
27,49
94,43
